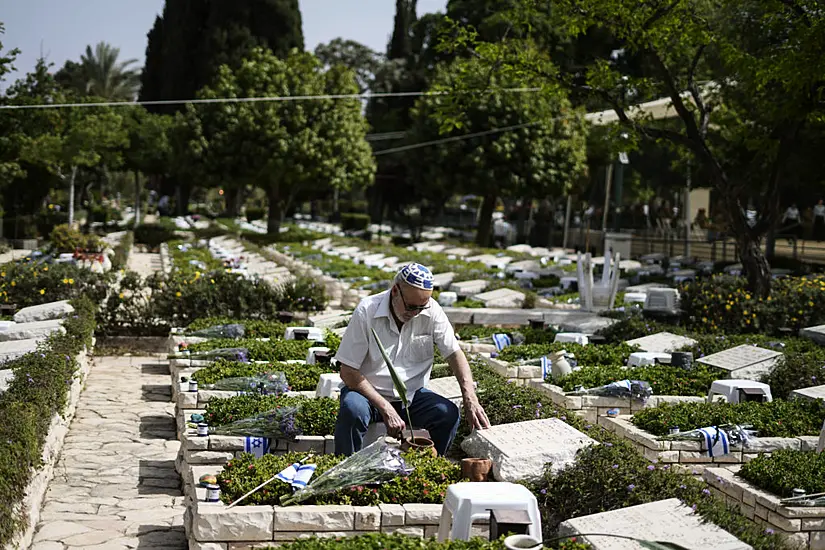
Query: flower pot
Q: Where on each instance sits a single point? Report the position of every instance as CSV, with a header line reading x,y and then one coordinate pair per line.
x,y
522,542
476,469
420,444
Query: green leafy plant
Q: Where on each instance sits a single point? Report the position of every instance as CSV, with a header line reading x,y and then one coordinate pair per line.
x,y
273,350
778,418
65,239
153,235
300,377
664,379
27,284
785,470
615,355
315,416
400,386
380,541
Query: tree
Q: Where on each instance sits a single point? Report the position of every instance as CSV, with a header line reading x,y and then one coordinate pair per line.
x,y
9,167
284,147
364,62
148,150
542,153
100,74
765,58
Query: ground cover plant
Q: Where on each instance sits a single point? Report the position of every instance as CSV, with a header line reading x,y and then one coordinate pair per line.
x,y
314,416
588,355
299,377
663,379
785,470
273,350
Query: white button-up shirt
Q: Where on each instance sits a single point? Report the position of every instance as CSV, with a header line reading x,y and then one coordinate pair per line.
x,y
410,349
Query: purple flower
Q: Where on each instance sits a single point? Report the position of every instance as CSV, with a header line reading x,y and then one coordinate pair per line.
x,y
615,466
631,487
769,531
693,507
544,491
683,486
706,491
608,444
651,467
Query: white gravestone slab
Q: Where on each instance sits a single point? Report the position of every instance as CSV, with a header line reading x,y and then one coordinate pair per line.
x,y
502,297
469,288
744,362
664,521
817,334
44,312
27,331
458,252
442,281
521,450
17,348
446,387
6,377
662,342
813,392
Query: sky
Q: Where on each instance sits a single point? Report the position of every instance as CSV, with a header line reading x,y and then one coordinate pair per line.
x,y
61,29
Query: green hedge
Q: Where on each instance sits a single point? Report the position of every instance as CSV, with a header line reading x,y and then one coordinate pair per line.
x,y
153,235
785,470
664,379
27,284
589,355
274,350
531,335
315,416
38,391
253,328
354,222
778,418
404,542
427,483
300,377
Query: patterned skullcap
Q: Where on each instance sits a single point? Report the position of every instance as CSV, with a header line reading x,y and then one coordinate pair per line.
x,y
417,275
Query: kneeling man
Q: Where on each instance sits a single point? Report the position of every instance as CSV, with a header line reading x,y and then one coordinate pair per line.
x,y
408,322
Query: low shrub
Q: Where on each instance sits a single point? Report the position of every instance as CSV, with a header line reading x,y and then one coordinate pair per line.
x,y
615,355
28,284
153,235
405,542
303,294
785,470
778,418
427,484
531,335
632,326
64,239
38,391
129,311
796,371
664,379
274,350
613,475
253,328
299,377
253,214
315,416
122,251
469,303
723,304
354,222
708,344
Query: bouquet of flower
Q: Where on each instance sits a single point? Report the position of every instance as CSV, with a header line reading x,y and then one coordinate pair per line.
x,y
235,354
265,383
635,389
375,464
275,424
737,435
220,331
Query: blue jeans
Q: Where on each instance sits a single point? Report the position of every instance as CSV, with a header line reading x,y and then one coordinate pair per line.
x,y
430,411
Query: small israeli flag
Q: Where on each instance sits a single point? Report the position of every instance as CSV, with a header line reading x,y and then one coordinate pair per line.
x,y
716,441
546,367
258,446
297,475
501,341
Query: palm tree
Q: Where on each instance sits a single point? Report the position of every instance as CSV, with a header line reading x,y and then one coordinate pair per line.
x,y
107,78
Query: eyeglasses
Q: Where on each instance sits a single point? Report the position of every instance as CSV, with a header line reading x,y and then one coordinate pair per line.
x,y
410,308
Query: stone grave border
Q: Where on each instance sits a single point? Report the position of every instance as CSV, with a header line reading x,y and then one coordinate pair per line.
x,y
803,525
211,526
52,447
693,453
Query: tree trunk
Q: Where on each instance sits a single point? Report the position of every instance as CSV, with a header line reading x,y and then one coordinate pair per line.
x,y
232,198
71,196
485,220
755,265
184,192
137,199
275,215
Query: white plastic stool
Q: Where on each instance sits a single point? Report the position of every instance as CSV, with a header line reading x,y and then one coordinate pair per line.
x,y
572,338
468,502
314,334
329,384
642,358
730,389
311,354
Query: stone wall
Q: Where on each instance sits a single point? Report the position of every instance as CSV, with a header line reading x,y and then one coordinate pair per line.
x,y
694,453
36,490
803,525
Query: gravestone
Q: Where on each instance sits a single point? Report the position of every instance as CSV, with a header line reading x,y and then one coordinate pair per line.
x,y
502,297
813,392
683,275
662,342
817,334
26,331
521,450
644,288
744,362
17,348
663,521
5,378
460,252
446,387
44,312
469,288
442,281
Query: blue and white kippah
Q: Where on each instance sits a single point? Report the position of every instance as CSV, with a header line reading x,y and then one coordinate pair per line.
x,y
417,275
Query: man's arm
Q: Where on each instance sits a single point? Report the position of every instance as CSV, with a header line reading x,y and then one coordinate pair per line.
x,y
356,382
476,417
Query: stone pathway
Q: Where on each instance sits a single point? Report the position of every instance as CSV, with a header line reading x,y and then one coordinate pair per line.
x,y
144,263
115,485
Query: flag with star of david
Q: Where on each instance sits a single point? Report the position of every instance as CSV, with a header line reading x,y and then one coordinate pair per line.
x,y
258,446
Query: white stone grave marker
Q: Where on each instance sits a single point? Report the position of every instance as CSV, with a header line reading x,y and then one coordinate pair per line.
x,y
446,387
521,450
502,297
664,521
662,342
817,334
744,362
812,392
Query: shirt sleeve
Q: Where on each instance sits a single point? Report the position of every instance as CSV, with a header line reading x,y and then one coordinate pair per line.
x,y
443,333
355,343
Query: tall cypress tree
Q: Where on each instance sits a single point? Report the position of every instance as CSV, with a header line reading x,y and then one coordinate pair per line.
x,y
151,77
400,46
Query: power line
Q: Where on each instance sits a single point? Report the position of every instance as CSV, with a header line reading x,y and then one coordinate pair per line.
x,y
454,138
163,102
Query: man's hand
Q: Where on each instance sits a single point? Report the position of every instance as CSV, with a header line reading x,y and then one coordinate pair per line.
x,y
395,425
474,413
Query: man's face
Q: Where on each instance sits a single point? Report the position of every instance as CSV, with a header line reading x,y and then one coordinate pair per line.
x,y
408,301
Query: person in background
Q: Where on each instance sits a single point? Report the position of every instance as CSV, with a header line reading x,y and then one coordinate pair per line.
x,y
701,220
409,323
791,221
819,221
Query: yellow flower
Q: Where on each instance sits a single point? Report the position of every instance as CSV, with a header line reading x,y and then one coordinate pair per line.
x,y
71,281
65,281
45,268
13,283
42,291
727,307
177,294
120,295
212,281
2,273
